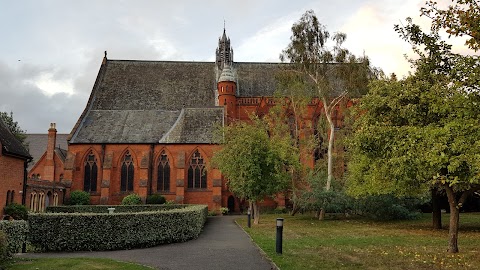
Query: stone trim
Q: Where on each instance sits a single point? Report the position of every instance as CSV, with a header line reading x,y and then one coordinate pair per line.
x,y
217,182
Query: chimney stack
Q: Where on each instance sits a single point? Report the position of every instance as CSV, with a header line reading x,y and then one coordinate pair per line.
x,y
49,169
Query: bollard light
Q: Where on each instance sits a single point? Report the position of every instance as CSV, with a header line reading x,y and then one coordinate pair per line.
x,y
279,239
249,214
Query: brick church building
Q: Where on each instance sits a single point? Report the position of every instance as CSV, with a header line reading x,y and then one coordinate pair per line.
x,y
148,127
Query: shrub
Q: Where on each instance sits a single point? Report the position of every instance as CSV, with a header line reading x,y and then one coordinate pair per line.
x,y
3,248
132,199
94,231
16,232
388,207
224,210
118,208
17,211
79,197
155,199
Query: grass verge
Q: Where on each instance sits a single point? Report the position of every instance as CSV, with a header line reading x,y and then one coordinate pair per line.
x,y
363,244
71,264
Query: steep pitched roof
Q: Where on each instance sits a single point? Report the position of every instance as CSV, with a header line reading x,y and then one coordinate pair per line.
x,y
37,145
139,101
10,144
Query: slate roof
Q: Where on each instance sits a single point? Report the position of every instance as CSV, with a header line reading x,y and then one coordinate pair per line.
x,y
10,144
142,101
195,125
37,145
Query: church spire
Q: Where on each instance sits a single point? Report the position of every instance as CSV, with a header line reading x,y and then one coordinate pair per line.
x,y
224,53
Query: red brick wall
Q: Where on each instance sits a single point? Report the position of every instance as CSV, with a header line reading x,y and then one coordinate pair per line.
x,y
110,172
11,178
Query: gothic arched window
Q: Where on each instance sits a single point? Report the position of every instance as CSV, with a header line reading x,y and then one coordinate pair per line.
x,y
197,172
126,182
91,172
163,173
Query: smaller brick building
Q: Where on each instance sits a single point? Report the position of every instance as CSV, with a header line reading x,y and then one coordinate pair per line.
x,y
44,184
13,168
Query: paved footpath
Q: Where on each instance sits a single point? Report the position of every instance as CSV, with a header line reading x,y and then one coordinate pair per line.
x,y
221,245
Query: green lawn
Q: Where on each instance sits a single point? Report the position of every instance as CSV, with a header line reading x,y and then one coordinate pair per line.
x,y
363,244
73,264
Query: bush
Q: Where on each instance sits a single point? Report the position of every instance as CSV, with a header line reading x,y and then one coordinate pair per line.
x,y
3,248
16,211
118,208
388,207
16,232
93,231
79,197
132,199
155,199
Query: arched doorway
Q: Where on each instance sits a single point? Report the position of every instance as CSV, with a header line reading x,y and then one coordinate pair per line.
x,y
231,204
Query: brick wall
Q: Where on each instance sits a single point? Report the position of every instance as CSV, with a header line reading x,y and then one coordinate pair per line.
x,y
11,178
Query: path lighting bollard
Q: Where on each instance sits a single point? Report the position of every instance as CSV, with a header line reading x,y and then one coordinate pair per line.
x,y
279,241
111,210
249,215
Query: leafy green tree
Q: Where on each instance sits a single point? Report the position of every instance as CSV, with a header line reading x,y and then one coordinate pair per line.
x,y
317,66
256,164
289,118
13,126
460,19
423,131
415,134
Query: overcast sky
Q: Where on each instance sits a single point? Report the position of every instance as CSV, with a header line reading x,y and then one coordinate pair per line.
x,y
50,51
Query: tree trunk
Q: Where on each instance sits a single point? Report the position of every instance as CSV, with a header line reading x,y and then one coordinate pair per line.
x,y
436,210
453,230
256,213
454,220
321,214
330,153
294,209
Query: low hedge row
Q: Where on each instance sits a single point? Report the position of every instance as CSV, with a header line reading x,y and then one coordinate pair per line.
x,y
118,208
16,232
101,231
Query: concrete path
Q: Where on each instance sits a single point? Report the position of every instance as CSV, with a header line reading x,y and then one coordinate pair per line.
x,y
222,245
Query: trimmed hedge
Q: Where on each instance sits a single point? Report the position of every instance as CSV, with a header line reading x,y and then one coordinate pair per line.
x,y
16,232
3,248
118,208
101,231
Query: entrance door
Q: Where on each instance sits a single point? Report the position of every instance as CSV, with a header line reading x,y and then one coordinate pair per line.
x,y
231,204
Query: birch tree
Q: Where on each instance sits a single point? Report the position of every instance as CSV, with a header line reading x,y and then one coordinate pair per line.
x,y
332,71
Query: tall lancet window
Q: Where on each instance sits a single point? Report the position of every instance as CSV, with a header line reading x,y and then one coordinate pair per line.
x,y
90,176
163,173
197,172
126,183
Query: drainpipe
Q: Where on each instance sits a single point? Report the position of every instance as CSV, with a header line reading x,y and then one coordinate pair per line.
x,y
24,188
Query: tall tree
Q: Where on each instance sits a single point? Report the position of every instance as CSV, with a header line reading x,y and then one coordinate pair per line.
x,y
14,127
289,118
422,132
255,164
333,72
